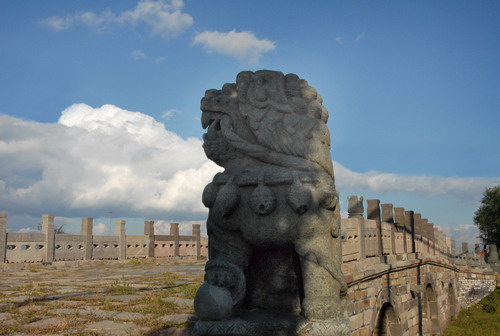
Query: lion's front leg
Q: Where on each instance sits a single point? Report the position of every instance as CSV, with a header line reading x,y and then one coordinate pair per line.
x,y
323,282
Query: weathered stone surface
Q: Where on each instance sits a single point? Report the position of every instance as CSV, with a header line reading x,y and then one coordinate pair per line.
x,y
274,219
112,328
178,318
124,298
180,302
48,323
355,207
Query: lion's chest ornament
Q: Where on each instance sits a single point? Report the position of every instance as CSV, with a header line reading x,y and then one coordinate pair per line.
x,y
273,213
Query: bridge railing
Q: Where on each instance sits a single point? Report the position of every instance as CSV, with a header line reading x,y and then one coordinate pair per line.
x,y
386,230
47,246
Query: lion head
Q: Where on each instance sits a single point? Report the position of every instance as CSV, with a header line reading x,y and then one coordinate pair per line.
x,y
274,118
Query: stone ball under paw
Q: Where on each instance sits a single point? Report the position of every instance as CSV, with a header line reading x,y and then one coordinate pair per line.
x,y
213,303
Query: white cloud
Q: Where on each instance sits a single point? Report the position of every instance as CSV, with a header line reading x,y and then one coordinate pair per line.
x,y
466,189
243,46
162,227
466,233
164,18
28,230
141,55
101,229
57,23
170,113
360,36
97,159
138,55
339,40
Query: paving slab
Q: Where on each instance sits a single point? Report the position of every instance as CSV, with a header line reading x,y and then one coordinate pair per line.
x,y
48,323
78,296
112,328
178,318
5,316
125,298
180,302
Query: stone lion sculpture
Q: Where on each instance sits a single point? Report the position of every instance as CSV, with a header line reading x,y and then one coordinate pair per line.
x,y
274,221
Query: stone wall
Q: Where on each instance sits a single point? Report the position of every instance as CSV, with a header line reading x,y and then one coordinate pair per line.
x,y
48,246
473,287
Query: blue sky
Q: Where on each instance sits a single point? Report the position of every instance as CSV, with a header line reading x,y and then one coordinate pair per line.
x,y
412,89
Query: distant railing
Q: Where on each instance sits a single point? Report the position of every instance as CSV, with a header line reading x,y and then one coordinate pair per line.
x,y
48,246
395,231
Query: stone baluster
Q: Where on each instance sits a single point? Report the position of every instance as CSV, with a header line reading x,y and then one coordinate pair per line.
x,y
373,212
197,235
356,210
355,206
425,234
388,217
432,238
87,232
417,227
3,237
149,232
122,239
174,232
410,229
48,230
399,217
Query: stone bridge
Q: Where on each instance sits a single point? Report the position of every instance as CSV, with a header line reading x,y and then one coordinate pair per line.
x,y
404,275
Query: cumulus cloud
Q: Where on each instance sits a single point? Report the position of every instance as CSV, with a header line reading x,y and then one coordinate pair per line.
x,y
465,189
244,46
97,159
164,18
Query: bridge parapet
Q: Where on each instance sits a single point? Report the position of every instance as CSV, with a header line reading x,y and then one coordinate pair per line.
x,y
404,275
47,246
397,231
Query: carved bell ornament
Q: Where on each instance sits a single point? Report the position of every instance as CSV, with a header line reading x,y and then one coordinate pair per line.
x,y
299,197
228,198
262,199
209,194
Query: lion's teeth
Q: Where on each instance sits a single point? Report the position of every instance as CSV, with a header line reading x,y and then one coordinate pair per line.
x,y
205,120
213,129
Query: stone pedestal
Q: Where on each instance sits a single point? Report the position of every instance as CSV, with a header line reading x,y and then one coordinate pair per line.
x,y
272,325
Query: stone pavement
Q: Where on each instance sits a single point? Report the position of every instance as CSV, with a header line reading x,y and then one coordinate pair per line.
x,y
152,297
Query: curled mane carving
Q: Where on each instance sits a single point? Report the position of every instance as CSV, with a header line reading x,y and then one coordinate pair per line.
x,y
271,117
